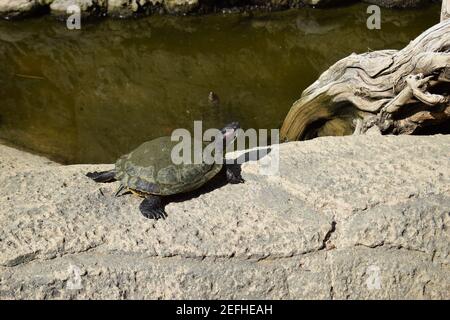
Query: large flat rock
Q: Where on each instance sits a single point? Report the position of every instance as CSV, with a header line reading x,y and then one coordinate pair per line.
x,y
351,217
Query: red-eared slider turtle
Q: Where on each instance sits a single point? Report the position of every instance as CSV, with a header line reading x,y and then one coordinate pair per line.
x,y
150,172
213,99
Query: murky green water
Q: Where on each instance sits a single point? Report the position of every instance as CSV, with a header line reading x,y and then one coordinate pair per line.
x,y
89,96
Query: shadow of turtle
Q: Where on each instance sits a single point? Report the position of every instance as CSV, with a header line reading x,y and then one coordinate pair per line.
x,y
217,182
220,179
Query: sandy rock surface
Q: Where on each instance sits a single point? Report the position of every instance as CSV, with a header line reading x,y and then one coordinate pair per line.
x,y
350,217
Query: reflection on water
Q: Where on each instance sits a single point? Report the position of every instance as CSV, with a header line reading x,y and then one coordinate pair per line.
x,y
89,96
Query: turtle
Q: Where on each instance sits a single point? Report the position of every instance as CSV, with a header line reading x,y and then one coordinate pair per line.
x,y
150,172
213,99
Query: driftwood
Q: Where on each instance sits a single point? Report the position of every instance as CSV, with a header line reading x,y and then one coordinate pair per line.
x,y
445,12
387,92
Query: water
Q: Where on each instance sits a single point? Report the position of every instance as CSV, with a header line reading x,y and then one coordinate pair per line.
x,y
89,96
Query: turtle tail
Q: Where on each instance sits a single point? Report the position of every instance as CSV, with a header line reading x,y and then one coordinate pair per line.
x,y
103,176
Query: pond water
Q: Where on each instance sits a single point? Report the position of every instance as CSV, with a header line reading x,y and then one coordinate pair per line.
x,y
90,95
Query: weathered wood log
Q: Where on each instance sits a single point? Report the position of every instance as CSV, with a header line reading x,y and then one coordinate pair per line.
x,y
445,11
388,91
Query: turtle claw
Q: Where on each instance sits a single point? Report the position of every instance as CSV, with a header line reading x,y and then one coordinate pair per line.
x,y
118,192
152,208
161,214
156,215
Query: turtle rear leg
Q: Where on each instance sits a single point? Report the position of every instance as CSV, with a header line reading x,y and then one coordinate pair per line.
x,y
153,208
103,176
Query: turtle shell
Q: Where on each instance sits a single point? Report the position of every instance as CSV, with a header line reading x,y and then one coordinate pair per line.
x,y
149,169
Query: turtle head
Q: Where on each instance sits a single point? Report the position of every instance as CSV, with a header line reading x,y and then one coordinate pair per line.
x,y
228,134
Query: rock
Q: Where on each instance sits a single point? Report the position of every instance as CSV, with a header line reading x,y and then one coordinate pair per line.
x,y
127,8
122,8
87,7
180,6
346,217
320,2
398,3
15,8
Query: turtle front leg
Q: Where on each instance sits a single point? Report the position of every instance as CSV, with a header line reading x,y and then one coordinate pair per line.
x,y
152,208
233,172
